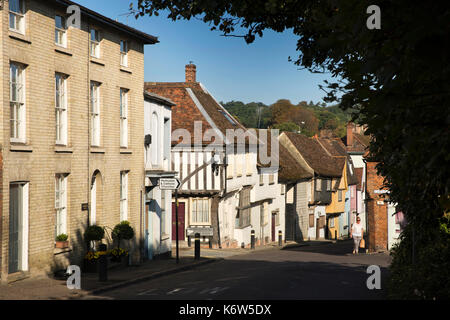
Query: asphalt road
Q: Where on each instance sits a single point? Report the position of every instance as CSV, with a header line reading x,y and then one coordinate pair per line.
x,y
321,271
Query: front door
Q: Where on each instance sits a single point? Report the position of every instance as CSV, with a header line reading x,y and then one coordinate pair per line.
x,y
181,224
317,228
18,227
147,230
273,226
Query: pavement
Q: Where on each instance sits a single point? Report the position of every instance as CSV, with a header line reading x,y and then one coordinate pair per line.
x,y
50,288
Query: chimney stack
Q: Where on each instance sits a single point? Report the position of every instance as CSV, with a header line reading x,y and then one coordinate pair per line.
x,y
350,127
191,71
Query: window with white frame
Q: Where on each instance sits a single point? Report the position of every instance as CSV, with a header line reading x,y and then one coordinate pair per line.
x,y
61,204
17,15
243,217
156,144
60,31
283,188
95,113
331,222
95,43
261,178
339,195
17,103
123,196
248,164
277,217
124,53
61,108
123,117
328,184
271,178
318,185
200,211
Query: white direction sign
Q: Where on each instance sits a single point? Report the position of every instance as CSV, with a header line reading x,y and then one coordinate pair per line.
x,y
169,183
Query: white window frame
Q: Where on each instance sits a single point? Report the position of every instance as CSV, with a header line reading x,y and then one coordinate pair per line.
x,y
123,196
261,178
61,108
61,204
95,114
200,217
124,117
124,53
18,17
332,222
318,185
340,195
272,178
163,213
94,43
61,33
156,140
328,184
17,106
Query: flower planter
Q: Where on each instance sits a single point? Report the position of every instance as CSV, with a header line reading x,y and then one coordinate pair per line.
x,y
61,244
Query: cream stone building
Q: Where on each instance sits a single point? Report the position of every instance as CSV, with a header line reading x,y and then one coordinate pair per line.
x,y
72,132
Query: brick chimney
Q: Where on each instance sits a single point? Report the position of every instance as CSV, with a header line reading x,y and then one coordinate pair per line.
x,y
350,127
191,71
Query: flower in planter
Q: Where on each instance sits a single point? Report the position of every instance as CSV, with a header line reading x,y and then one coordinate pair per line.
x,y
117,253
94,255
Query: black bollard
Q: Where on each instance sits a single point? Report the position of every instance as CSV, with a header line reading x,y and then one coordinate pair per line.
x,y
197,246
280,238
252,239
335,234
210,242
189,241
103,264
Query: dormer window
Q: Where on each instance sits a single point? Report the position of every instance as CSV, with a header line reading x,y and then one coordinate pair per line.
x,y
95,43
60,31
17,15
227,117
124,53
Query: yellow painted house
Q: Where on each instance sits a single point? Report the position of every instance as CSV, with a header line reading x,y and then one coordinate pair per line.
x,y
337,205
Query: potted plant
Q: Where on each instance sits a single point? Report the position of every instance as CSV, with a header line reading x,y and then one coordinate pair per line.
x,y
62,241
93,233
122,231
119,255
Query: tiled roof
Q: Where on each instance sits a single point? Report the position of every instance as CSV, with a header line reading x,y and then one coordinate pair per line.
x,y
290,169
316,157
195,103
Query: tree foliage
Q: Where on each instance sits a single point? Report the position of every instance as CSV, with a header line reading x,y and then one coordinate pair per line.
x,y
395,79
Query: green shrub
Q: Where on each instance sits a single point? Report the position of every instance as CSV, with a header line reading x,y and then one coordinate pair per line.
x,y
94,233
62,237
123,231
429,277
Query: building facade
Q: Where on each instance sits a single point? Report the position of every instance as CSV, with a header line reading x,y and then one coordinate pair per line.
x,y
71,132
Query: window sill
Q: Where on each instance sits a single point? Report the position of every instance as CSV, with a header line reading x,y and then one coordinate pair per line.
x,y
126,151
63,149
97,150
57,251
63,50
20,148
16,35
97,61
125,69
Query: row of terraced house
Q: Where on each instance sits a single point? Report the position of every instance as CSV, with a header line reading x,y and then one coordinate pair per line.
x,y
86,141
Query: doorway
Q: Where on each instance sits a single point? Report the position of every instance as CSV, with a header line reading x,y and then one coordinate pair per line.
x,y
18,227
181,222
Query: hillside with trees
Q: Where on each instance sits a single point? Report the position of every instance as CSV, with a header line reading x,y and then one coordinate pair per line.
x,y
306,118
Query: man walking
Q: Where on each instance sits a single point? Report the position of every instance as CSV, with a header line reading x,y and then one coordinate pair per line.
x,y
357,233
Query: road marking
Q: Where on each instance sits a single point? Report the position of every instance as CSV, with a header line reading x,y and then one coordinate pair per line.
x,y
147,293
175,290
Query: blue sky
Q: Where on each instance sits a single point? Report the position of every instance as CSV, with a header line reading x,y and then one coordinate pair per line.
x,y
228,67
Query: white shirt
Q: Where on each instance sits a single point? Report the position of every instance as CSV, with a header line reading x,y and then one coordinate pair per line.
x,y
357,229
